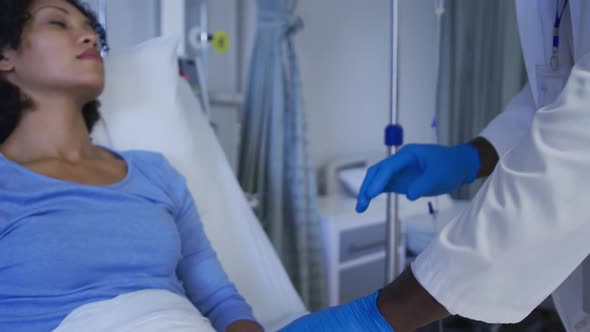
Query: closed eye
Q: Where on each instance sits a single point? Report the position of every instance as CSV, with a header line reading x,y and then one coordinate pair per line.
x,y
59,23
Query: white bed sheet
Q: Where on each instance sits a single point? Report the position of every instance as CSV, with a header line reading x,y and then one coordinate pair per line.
x,y
146,311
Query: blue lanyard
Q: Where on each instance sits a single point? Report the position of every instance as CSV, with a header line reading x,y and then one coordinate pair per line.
x,y
556,25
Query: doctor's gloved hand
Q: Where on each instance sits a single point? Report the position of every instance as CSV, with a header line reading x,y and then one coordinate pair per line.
x,y
420,170
359,315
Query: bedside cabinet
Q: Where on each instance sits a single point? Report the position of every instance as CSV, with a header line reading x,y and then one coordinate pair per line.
x,y
354,248
354,244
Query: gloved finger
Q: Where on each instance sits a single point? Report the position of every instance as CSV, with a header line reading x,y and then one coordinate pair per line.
x,y
402,182
363,200
423,186
388,171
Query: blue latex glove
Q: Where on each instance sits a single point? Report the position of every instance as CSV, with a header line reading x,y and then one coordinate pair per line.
x,y
359,315
420,170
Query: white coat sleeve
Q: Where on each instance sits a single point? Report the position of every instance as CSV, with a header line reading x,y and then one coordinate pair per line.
x,y
510,126
527,229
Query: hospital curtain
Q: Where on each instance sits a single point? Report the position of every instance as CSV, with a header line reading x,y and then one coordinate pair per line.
x,y
274,159
481,68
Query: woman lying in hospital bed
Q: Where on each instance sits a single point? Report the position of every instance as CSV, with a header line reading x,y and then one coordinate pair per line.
x,y
85,230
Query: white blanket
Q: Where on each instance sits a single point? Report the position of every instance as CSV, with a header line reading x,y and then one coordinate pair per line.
x,y
149,310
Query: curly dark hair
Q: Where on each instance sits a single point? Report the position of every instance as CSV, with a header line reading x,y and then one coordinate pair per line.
x,y
13,18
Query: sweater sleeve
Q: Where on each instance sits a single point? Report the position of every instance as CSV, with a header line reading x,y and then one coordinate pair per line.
x,y
204,280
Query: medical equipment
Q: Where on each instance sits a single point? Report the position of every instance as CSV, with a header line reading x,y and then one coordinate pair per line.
x,y
439,10
190,20
395,252
394,137
135,107
198,38
195,68
102,19
195,61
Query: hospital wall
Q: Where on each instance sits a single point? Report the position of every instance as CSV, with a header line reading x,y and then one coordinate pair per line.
x,y
133,20
345,62
344,54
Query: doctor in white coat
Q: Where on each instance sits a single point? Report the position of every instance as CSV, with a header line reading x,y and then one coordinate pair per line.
x,y
548,61
527,233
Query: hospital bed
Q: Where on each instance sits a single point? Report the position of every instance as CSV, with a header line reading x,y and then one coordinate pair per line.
x,y
146,105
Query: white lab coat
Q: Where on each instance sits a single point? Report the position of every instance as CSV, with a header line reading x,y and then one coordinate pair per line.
x,y
526,230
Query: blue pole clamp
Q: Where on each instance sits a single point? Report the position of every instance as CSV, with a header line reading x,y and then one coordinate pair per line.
x,y
394,135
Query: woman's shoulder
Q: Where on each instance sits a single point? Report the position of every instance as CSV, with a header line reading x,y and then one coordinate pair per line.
x,y
144,157
154,165
156,169
9,173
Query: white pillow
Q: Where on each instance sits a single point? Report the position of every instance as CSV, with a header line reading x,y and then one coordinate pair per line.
x,y
140,93
160,113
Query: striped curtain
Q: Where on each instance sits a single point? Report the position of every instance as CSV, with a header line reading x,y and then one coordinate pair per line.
x,y
275,163
481,69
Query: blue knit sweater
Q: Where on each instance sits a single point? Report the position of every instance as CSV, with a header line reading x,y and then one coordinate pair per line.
x,y
64,244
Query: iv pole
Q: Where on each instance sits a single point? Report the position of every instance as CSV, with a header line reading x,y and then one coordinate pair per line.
x,y
395,249
395,253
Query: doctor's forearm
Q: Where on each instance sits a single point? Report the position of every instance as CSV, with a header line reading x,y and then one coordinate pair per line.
x,y
406,305
244,326
488,156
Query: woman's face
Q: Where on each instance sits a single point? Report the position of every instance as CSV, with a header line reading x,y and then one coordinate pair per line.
x,y
58,53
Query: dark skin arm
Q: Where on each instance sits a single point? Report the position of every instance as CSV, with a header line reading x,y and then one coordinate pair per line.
x,y
243,326
404,303
488,156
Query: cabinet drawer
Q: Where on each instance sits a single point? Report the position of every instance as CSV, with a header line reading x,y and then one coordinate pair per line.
x,y
361,280
361,241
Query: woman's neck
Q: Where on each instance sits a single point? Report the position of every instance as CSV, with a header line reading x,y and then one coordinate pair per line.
x,y
55,130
